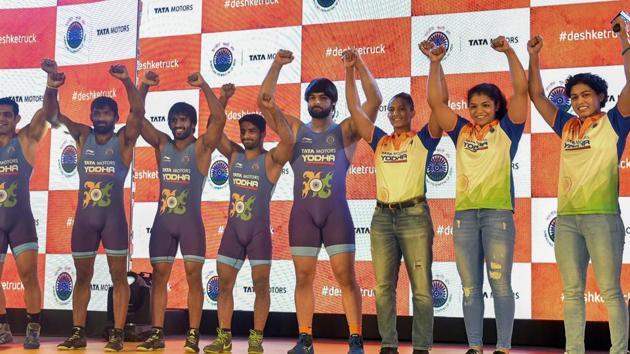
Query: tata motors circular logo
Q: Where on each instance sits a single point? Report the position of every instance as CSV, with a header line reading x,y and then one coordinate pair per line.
x,y
75,34
440,294
219,173
212,288
223,60
437,169
550,230
558,96
326,5
439,38
63,287
68,159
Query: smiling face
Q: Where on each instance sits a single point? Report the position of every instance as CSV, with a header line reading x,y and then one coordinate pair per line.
x,y
8,120
584,100
482,108
181,126
400,114
251,136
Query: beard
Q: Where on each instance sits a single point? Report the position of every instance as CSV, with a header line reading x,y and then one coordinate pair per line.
x,y
185,134
103,129
320,114
251,145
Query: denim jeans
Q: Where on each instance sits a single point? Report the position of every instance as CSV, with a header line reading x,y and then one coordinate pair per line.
x,y
600,238
486,234
407,233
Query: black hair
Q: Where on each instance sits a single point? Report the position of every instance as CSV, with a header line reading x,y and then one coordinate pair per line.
x,y
495,93
323,85
593,81
104,101
185,109
7,101
406,98
256,119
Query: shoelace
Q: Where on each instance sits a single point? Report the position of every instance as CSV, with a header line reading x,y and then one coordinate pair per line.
x,y
191,337
255,338
154,337
75,335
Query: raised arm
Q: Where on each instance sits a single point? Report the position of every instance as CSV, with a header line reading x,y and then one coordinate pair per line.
x,y
50,107
624,97
284,150
370,88
226,146
442,116
148,132
362,123
217,117
136,102
270,82
536,91
517,107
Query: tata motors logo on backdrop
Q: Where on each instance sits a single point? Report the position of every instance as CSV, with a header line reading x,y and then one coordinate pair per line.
x,y
219,173
223,60
63,286
75,34
441,294
558,96
438,168
68,159
439,37
326,5
212,288
550,230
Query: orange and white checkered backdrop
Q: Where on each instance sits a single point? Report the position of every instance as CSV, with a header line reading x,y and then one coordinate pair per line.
x,y
234,41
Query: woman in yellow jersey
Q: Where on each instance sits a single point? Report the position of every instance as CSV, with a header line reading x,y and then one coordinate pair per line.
x,y
401,225
484,223
589,225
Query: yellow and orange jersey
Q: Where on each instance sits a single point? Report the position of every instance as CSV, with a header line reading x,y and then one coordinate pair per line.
x,y
589,162
484,163
401,162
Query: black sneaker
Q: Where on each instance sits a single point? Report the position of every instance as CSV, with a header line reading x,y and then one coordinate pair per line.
x,y
388,350
192,341
420,351
498,352
76,341
154,342
473,351
116,341
304,345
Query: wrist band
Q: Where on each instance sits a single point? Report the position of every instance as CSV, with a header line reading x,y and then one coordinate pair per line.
x,y
623,52
50,87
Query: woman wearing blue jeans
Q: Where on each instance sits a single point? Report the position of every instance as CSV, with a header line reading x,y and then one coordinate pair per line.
x,y
484,224
589,225
401,226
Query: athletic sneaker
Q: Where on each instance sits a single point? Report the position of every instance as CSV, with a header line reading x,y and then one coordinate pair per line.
x,y
304,345
255,342
222,344
31,340
420,351
5,333
76,341
154,342
192,341
355,344
472,351
115,342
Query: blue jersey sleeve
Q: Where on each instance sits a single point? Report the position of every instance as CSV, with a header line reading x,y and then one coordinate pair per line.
x,y
377,135
454,134
427,140
620,123
562,118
